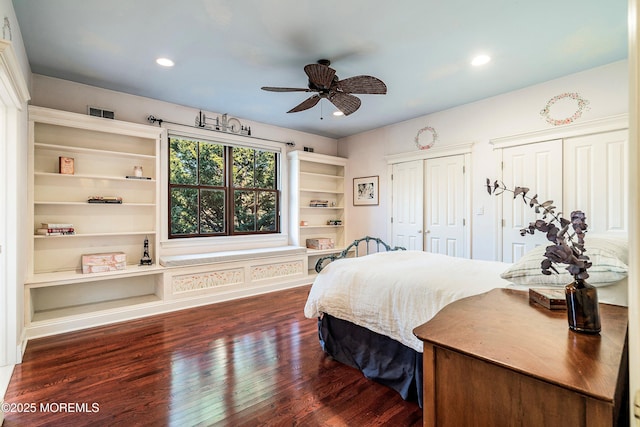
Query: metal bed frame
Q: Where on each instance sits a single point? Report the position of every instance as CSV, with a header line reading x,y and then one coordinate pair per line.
x,y
322,262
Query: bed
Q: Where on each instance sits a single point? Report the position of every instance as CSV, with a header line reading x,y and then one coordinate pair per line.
x,y
368,306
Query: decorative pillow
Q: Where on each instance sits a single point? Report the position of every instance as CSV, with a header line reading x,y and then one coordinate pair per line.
x,y
609,256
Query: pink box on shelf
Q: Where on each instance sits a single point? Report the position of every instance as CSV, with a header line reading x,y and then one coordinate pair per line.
x,y
109,261
320,243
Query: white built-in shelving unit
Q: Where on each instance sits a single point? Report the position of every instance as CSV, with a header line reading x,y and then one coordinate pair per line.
x,y
317,177
105,151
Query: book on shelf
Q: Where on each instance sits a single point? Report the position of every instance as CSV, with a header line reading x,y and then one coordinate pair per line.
x,y
550,298
55,231
55,225
138,177
104,199
319,203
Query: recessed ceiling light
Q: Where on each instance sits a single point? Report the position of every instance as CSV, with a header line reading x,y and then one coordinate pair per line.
x,y
480,60
165,62
338,113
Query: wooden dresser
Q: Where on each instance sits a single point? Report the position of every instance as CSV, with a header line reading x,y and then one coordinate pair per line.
x,y
497,360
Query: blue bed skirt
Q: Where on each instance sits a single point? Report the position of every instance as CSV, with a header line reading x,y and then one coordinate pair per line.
x,y
377,356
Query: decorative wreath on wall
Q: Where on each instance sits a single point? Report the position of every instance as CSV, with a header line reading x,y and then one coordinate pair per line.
x,y
583,105
429,144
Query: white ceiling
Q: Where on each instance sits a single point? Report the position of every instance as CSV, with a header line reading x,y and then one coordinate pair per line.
x,y
225,50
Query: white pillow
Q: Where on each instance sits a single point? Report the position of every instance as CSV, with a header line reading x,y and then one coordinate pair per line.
x,y
609,256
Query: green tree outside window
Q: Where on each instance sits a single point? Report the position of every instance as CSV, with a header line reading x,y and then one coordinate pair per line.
x,y
221,190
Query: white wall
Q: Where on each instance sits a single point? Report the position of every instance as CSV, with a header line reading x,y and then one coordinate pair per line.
x,y
606,89
512,113
70,96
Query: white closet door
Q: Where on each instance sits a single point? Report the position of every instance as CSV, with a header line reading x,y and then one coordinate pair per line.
x,y
596,180
536,166
445,197
407,211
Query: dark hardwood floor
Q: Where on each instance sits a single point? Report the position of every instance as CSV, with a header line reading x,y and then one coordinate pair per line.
x,y
249,362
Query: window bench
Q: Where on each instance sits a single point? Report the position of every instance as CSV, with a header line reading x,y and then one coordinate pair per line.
x,y
229,274
228,256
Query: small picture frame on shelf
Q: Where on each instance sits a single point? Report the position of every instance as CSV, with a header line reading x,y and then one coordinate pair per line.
x,y
365,191
65,165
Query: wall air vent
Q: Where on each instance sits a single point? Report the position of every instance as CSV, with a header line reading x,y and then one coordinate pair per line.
x,y
100,112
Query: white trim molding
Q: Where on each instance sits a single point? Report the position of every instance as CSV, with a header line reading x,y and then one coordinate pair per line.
x,y
634,211
605,124
14,96
432,153
14,87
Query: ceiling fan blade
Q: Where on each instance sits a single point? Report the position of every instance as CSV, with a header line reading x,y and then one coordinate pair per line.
x,y
285,89
306,104
363,84
320,75
344,102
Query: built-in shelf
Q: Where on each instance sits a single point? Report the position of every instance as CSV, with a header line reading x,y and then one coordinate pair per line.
x,y
50,175
324,252
320,190
91,151
322,175
104,152
317,176
93,204
82,235
88,309
77,276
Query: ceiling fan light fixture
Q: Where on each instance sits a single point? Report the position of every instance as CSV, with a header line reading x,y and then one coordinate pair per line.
x,y
338,113
323,80
165,62
480,60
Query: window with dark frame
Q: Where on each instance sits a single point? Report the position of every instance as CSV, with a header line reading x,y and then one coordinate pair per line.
x,y
221,190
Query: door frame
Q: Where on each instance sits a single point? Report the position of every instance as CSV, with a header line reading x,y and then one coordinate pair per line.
x,y
14,95
606,124
432,153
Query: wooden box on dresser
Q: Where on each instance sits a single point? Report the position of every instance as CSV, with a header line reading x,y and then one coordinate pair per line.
x,y
316,178
496,359
104,153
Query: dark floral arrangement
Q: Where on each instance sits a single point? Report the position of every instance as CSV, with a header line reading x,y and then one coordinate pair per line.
x,y
566,235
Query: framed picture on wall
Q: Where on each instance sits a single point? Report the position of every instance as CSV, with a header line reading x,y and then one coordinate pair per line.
x,y
365,191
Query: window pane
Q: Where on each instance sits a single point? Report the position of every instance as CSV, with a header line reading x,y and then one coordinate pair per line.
x,y
183,157
265,169
184,211
266,211
245,204
212,211
243,167
211,164
206,198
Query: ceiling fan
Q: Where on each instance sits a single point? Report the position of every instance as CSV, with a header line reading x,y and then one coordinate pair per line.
x,y
323,79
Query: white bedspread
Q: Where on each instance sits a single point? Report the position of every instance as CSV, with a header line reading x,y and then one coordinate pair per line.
x,y
393,292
